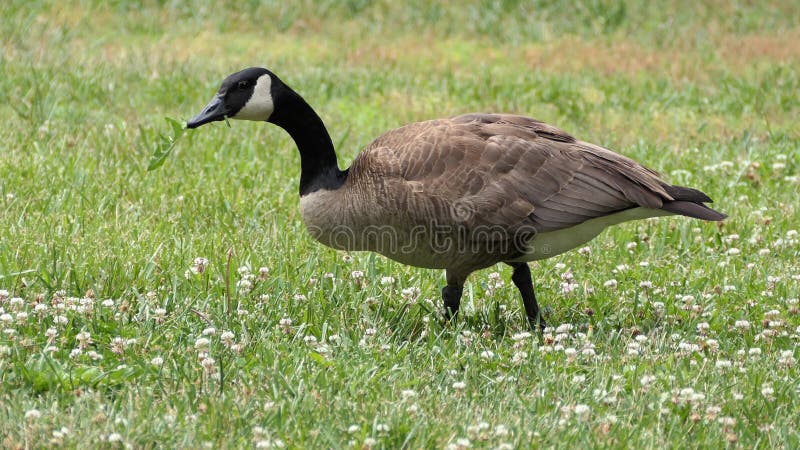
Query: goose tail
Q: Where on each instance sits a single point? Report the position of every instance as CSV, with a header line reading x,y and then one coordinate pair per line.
x,y
689,202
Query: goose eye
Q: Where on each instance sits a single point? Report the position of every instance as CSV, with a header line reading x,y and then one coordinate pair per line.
x,y
243,85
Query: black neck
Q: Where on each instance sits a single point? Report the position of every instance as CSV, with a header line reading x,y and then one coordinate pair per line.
x,y
318,166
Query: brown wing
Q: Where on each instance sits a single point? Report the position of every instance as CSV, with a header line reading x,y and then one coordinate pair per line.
x,y
501,170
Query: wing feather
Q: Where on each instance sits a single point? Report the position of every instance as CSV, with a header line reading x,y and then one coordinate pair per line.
x,y
502,170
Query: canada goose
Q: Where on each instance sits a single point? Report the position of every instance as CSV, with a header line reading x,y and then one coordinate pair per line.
x,y
459,194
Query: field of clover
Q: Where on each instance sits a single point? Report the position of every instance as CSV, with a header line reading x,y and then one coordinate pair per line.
x,y
187,307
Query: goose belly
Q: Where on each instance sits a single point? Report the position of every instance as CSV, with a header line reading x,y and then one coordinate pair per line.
x,y
552,243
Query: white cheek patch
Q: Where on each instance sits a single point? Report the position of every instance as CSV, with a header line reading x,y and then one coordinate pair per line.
x,y
260,105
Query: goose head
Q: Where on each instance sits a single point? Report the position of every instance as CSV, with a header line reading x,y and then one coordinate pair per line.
x,y
246,95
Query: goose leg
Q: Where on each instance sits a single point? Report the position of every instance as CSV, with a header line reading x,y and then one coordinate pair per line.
x,y
522,280
451,294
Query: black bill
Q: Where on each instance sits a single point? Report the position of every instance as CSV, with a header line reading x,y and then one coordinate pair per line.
x,y
214,111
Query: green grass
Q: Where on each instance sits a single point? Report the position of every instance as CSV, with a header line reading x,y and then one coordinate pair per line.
x,y
705,93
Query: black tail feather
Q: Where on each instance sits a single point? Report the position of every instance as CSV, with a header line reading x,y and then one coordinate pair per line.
x,y
691,209
689,202
687,194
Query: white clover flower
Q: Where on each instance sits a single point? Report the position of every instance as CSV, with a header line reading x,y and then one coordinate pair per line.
x,y
742,325
487,354
114,437
202,344
208,363
610,284
727,421
107,303
787,358
357,274
408,393
410,293
117,345
688,395
286,325
460,444
33,414
582,410
730,238
688,347
501,430
563,328
459,385
84,338
199,265
157,361
647,380
267,443
310,340
60,433
387,280
519,357
521,336
712,412
244,286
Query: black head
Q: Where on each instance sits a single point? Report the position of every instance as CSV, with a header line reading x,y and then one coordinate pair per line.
x,y
245,95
